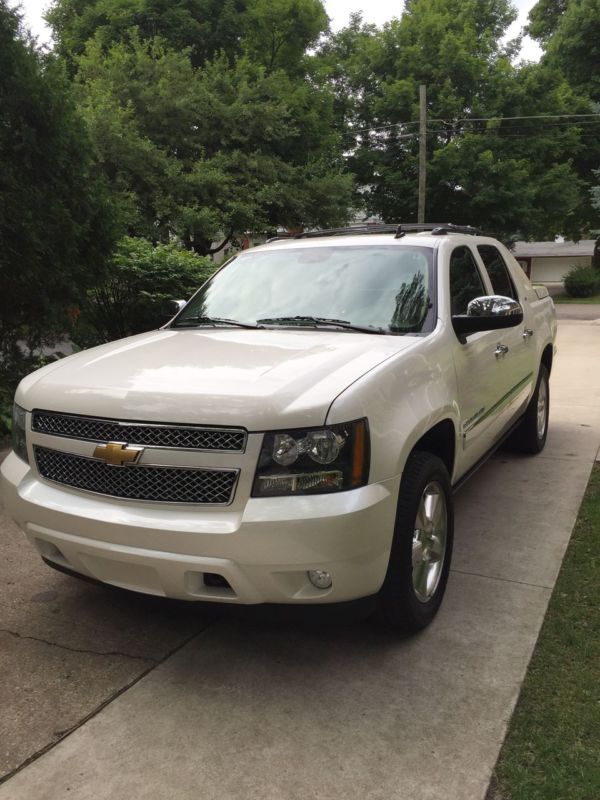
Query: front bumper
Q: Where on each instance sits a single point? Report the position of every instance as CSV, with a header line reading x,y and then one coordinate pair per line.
x,y
263,550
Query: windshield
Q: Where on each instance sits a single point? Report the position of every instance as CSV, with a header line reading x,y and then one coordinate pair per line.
x,y
385,288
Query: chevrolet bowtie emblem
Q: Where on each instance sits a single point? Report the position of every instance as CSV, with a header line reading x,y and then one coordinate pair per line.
x,y
117,454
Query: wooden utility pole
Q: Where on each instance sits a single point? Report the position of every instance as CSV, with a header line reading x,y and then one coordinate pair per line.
x,y
422,151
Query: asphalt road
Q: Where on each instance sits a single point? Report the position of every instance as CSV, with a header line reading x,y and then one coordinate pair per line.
x,y
108,694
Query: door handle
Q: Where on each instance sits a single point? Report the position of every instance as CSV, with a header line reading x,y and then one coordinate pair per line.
x,y
527,333
501,350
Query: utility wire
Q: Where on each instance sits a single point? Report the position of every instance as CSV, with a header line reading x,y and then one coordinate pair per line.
x,y
456,124
531,116
504,131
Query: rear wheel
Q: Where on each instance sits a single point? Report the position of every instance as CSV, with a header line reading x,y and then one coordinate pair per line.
x,y
422,546
530,435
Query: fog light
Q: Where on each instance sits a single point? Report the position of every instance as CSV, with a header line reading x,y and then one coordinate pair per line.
x,y
319,578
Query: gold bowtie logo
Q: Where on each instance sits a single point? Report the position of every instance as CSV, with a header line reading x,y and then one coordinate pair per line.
x,y
117,454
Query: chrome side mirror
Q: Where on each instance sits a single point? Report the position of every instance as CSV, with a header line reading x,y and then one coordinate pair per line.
x,y
487,314
494,305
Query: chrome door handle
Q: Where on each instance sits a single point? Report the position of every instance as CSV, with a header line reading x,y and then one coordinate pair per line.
x,y
527,333
501,350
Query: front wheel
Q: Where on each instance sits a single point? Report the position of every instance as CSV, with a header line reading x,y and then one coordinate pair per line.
x,y
422,546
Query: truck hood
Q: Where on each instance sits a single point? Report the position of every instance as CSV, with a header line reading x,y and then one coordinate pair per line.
x,y
257,379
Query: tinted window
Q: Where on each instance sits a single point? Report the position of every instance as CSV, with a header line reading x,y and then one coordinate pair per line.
x,y
465,280
497,270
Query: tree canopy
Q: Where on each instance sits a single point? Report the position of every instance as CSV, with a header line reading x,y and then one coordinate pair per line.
x,y
570,33
200,144
213,118
207,27
56,223
274,33
514,177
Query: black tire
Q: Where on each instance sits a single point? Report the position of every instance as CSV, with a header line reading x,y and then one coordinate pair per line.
x,y
399,604
528,437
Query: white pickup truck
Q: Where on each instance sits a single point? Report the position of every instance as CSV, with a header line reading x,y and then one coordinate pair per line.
x,y
295,434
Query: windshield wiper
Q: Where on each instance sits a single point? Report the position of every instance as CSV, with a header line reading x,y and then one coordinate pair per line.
x,y
194,321
317,321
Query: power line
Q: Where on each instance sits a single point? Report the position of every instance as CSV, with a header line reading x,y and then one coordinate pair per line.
x,y
508,130
456,124
530,116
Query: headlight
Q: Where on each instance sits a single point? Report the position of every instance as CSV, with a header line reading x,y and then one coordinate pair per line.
x,y
19,440
313,460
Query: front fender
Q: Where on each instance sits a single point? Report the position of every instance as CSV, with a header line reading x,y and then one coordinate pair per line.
x,y
403,398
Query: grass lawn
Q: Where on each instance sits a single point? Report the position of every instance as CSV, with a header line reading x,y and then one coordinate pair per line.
x,y
564,298
552,749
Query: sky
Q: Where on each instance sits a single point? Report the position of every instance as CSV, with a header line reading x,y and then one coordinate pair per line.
x,y
376,11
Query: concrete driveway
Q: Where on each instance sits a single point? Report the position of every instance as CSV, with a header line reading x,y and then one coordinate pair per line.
x,y
589,311
110,695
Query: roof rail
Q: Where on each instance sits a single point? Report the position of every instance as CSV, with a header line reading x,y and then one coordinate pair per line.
x,y
400,229
436,228
351,230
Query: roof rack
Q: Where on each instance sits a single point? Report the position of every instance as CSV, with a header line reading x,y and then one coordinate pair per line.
x,y
436,228
399,229
351,230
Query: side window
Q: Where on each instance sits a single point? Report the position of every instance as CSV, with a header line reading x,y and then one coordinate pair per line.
x,y
465,280
497,270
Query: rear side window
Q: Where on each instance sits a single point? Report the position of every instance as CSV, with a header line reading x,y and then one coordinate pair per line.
x,y
465,280
497,270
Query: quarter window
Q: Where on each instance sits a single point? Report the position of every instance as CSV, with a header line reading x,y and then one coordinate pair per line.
x,y
465,280
497,270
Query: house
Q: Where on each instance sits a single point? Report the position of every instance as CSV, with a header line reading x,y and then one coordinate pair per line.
x,y
548,262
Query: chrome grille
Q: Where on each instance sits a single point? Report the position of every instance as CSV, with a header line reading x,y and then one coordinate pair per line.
x,y
158,484
104,430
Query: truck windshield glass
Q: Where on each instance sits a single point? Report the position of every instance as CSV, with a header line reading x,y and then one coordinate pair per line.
x,y
383,287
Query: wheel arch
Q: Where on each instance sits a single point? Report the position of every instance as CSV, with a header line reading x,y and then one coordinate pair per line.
x,y
440,441
547,357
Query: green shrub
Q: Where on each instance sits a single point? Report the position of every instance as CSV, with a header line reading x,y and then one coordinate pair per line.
x,y
130,294
127,298
582,281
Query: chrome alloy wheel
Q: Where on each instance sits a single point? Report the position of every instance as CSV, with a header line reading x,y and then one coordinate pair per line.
x,y
542,408
429,541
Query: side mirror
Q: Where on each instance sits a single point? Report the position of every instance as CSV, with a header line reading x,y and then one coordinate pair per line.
x,y
169,308
488,314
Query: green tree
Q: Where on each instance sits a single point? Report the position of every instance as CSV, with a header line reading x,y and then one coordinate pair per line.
x,y
56,226
570,33
347,61
277,33
512,177
206,27
544,17
274,33
200,153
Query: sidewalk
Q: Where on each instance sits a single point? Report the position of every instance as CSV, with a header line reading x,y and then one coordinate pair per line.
x,y
253,712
